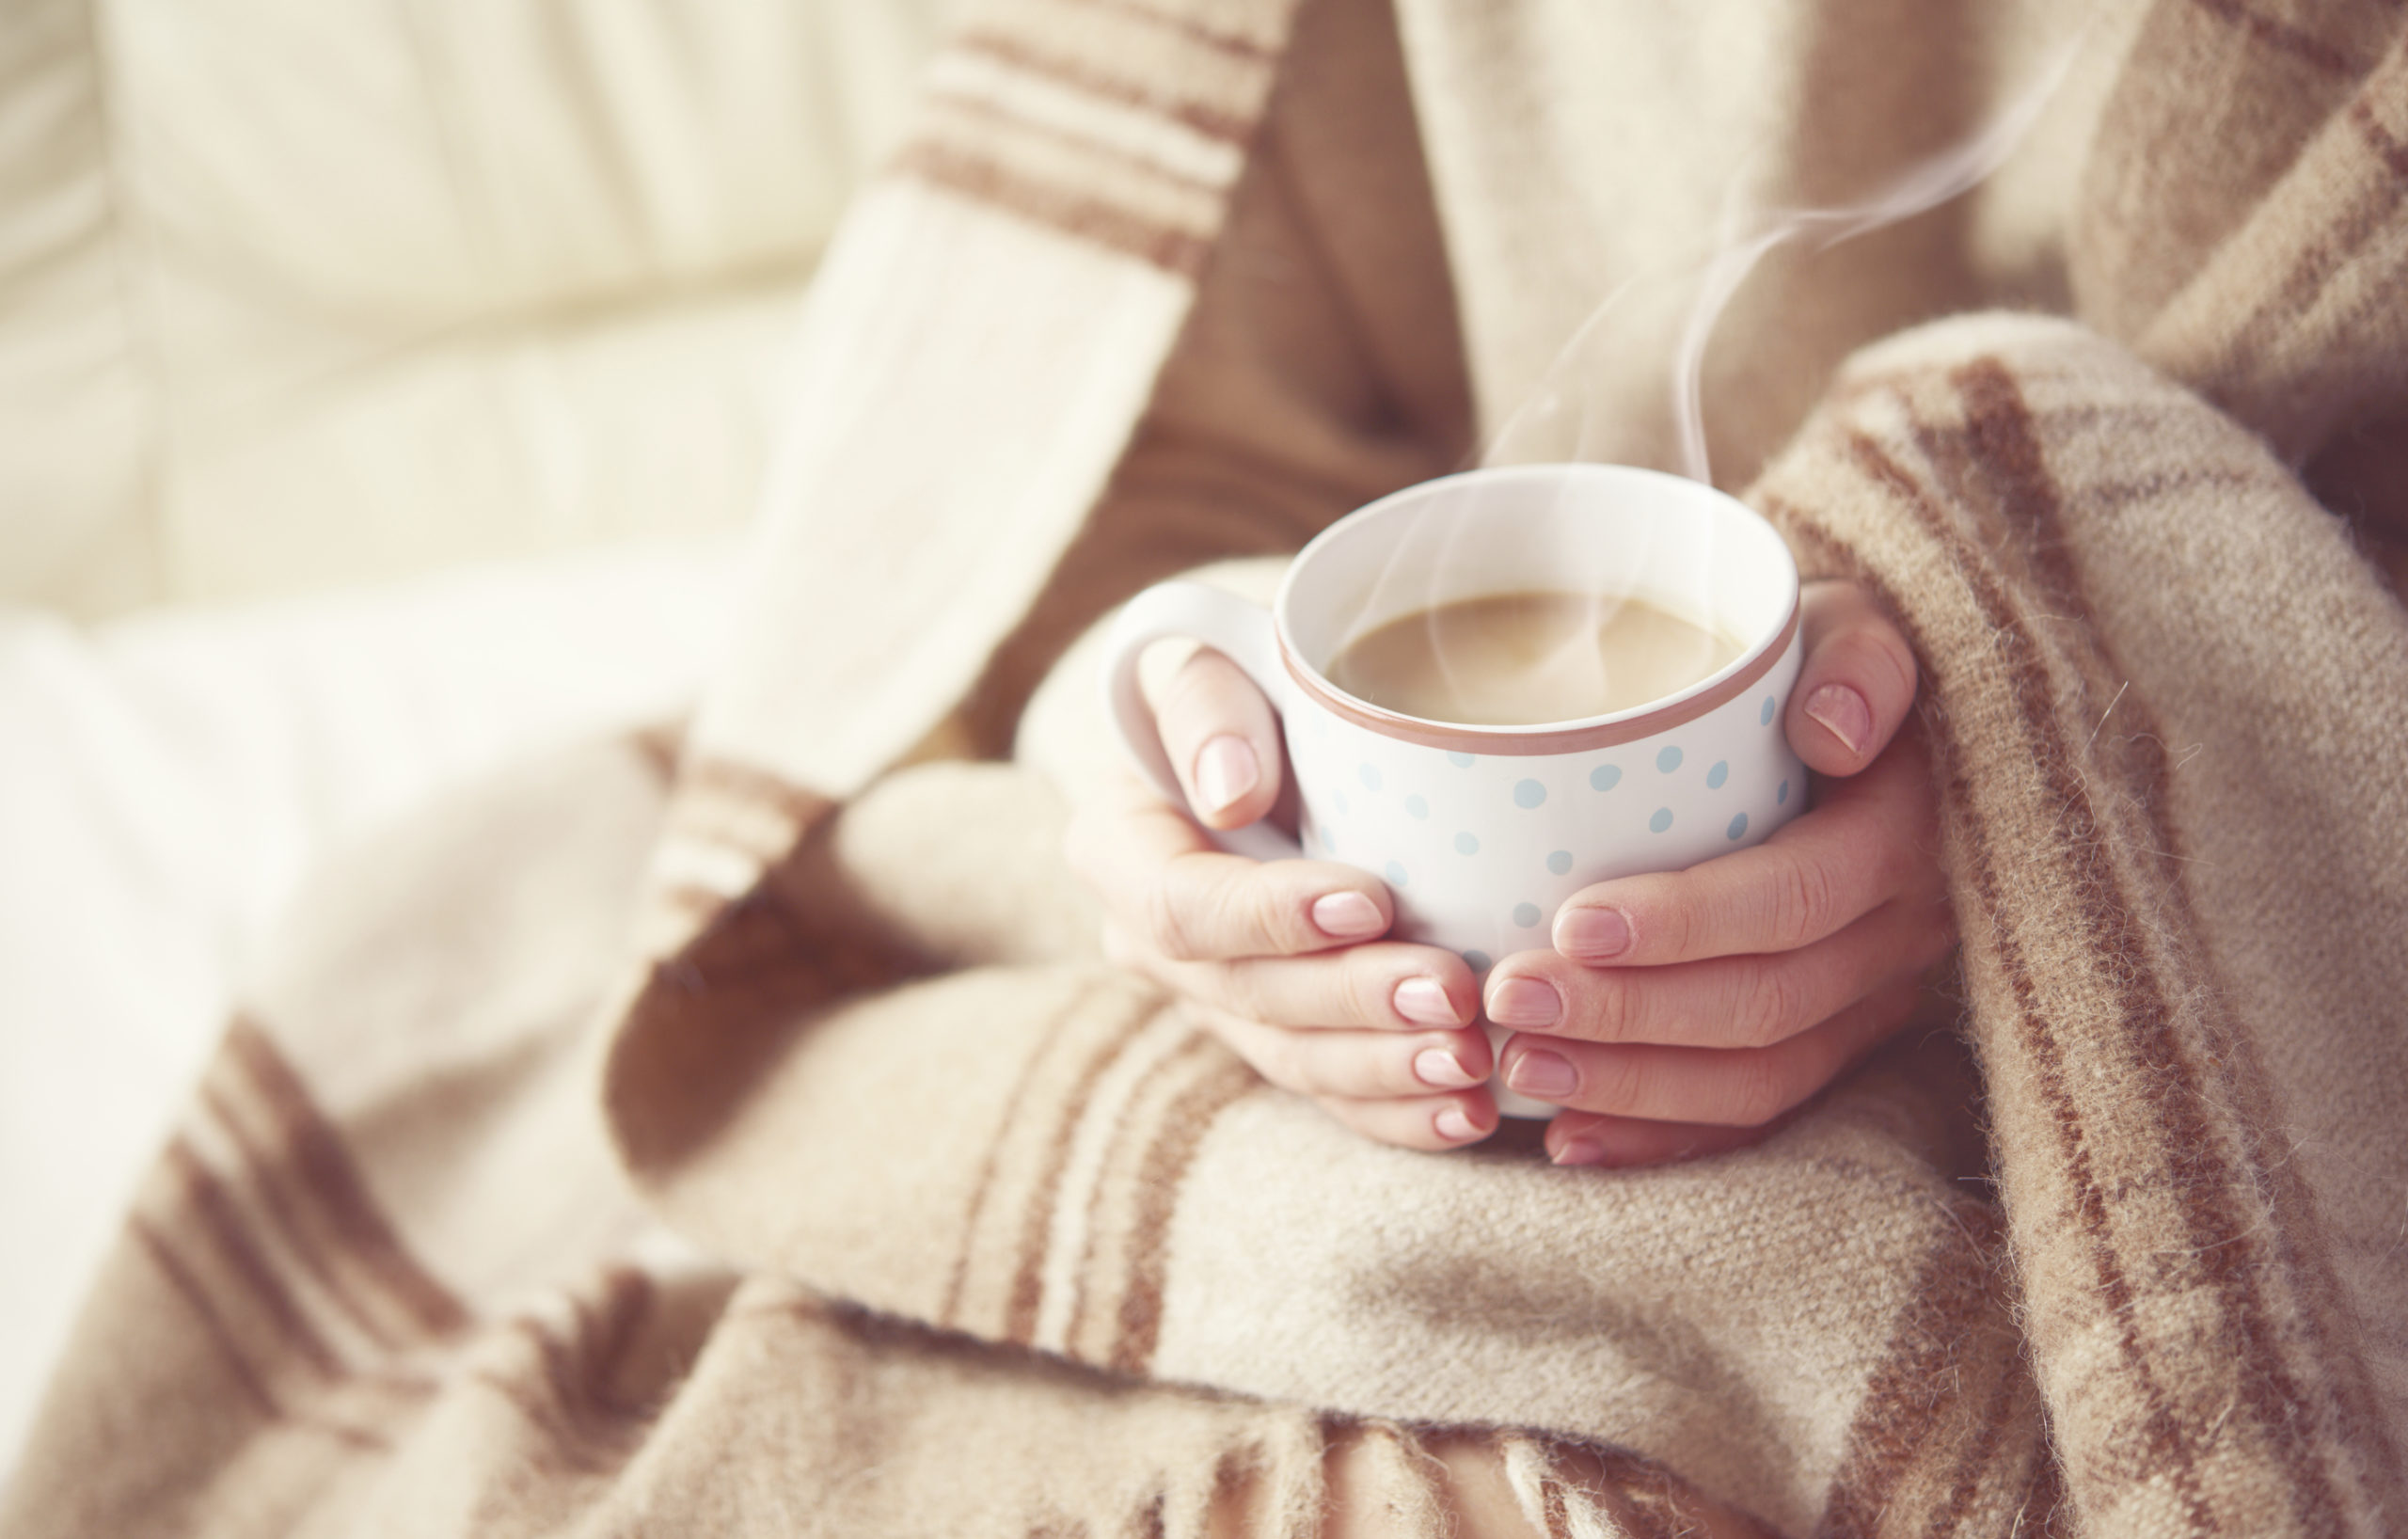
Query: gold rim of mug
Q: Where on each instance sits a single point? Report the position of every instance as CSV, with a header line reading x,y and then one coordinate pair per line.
x,y
1611,733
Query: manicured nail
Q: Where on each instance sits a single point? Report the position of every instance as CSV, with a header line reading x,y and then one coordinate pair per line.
x,y
1424,1002
1441,1069
1548,1076
1348,916
1453,1126
1580,1151
1525,1002
1844,714
1225,771
1591,935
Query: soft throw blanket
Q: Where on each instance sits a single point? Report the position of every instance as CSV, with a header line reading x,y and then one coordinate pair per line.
x,y
476,1227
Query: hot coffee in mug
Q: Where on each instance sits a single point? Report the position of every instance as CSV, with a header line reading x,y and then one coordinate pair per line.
x,y
1501,687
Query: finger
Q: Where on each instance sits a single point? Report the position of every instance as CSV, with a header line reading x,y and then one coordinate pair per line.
x,y
1386,984
1163,883
1425,1122
1725,1002
1355,1065
1620,1142
1866,844
1223,741
1740,1088
1856,684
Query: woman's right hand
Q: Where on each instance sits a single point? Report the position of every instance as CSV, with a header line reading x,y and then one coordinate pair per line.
x,y
1283,960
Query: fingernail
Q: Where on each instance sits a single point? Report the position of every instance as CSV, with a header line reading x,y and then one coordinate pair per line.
x,y
1580,1151
1525,1002
1591,934
1424,1002
1441,1069
1548,1076
1844,714
1347,916
1225,771
1453,1126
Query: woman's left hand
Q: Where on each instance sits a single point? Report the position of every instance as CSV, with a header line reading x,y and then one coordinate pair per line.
x,y
1686,1012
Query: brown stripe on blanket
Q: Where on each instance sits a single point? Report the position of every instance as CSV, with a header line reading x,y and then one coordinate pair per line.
x,y
1178,1135
2109,918
1989,927
559,1380
2020,495
2283,37
1909,1439
1033,57
1073,214
1260,47
1140,190
2004,427
2203,1190
2387,147
964,119
306,1145
1107,1257
1038,1206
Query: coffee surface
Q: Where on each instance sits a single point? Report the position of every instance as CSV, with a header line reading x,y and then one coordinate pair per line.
x,y
1516,659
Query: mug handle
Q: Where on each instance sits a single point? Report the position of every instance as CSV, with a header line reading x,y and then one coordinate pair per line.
x,y
1240,630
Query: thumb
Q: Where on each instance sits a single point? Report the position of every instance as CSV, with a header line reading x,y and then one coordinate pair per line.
x,y
1223,740
1856,685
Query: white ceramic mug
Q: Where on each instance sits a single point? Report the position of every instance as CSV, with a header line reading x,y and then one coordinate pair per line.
x,y
1482,832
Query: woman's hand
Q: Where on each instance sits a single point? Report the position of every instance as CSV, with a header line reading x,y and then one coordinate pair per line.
x,y
1282,960
1735,989
1686,1013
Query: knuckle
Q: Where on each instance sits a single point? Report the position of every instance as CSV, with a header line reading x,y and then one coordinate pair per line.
x,y
1287,1064
1805,903
1612,1010
1364,990
1756,1090
1245,991
1170,921
1770,1009
1615,1083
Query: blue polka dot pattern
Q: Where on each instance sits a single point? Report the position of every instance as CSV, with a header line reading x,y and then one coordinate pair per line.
x,y
1604,777
1461,761
1782,796
1328,840
1395,874
1338,799
1526,915
1416,806
1466,845
1764,717
1668,760
1528,793
1716,776
1371,774
1477,961
1739,827
1559,862
1662,820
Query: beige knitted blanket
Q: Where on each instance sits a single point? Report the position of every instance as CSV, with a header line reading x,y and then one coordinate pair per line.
x,y
861,1197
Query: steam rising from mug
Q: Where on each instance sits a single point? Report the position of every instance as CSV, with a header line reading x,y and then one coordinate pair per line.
x,y
1924,186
